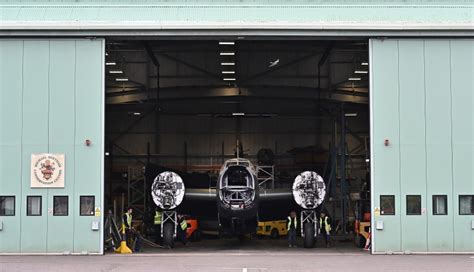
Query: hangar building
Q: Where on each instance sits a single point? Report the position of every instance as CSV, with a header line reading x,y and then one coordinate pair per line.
x,y
378,94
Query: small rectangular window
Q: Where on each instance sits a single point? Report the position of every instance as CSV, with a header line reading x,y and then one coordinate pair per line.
x,y
33,205
466,204
87,204
60,204
413,205
440,205
387,205
7,205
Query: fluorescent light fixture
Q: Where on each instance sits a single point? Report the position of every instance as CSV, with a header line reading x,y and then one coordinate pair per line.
x,y
121,79
228,72
227,53
116,72
228,63
354,78
136,113
365,63
238,114
361,72
110,63
350,114
228,79
226,43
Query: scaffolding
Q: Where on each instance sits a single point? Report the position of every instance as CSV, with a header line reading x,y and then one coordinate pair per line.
x,y
265,176
137,190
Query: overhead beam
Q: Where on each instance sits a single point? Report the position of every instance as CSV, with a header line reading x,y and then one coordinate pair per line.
x,y
180,93
278,67
190,65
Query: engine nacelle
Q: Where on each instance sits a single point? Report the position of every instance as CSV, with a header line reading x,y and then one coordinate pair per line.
x,y
309,190
167,190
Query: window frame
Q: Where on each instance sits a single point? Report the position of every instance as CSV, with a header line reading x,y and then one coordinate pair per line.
x,y
417,196
445,197
67,205
40,206
14,205
382,212
459,204
80,205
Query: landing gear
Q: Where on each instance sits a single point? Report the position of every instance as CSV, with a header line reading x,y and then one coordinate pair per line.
x,y
168,235
309,235
168,230
309,229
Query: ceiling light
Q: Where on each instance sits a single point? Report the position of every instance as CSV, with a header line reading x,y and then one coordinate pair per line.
x,y
121,79
136,113
227,53
364,63
116,72
350,114
354,78
110,63
361,72
227,63
228,72
238,114
229,79
106,53
226,43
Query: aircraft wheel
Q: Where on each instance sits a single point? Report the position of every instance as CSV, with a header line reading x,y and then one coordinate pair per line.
x,y
274,234
308,235
168,232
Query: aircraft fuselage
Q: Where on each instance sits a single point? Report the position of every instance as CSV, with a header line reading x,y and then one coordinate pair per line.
x,y
237,197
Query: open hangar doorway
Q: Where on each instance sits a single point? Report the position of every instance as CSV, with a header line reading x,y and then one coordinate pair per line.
x,y
286,105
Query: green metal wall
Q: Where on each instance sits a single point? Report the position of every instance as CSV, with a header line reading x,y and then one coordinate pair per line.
x,y
422,101
51,101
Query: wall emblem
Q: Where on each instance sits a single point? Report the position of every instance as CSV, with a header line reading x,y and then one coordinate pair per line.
x,y
47,171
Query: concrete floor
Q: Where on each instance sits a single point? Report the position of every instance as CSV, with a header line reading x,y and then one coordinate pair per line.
x,y
229,255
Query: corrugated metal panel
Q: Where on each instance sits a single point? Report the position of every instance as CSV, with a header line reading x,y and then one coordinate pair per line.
x,y
242,1
283,15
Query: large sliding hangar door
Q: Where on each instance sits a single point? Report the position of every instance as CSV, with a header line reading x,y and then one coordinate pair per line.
x,y
422,123
51,102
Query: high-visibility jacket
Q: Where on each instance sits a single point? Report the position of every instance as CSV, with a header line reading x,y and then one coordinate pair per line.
x,y
183,224
289,223
128,220
326,224
158,217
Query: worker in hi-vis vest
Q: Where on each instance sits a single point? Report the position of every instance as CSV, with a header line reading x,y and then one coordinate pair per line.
x,y
182,226
325,227
127,225
157,224
291,224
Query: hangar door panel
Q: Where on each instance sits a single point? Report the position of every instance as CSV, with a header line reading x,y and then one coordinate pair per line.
x,y
422,103
51,101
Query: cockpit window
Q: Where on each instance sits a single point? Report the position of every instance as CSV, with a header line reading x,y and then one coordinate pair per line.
x,y
237,176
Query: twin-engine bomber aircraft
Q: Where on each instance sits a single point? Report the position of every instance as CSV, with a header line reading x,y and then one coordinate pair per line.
x,y
238,195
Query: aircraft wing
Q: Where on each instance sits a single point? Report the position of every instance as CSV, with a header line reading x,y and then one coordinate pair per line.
x,y
195,194
276,194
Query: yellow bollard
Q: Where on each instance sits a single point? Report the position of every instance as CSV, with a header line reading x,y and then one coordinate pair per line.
x,y
123,248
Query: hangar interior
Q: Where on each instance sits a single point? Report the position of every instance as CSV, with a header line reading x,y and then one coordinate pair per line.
x,y
286,105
